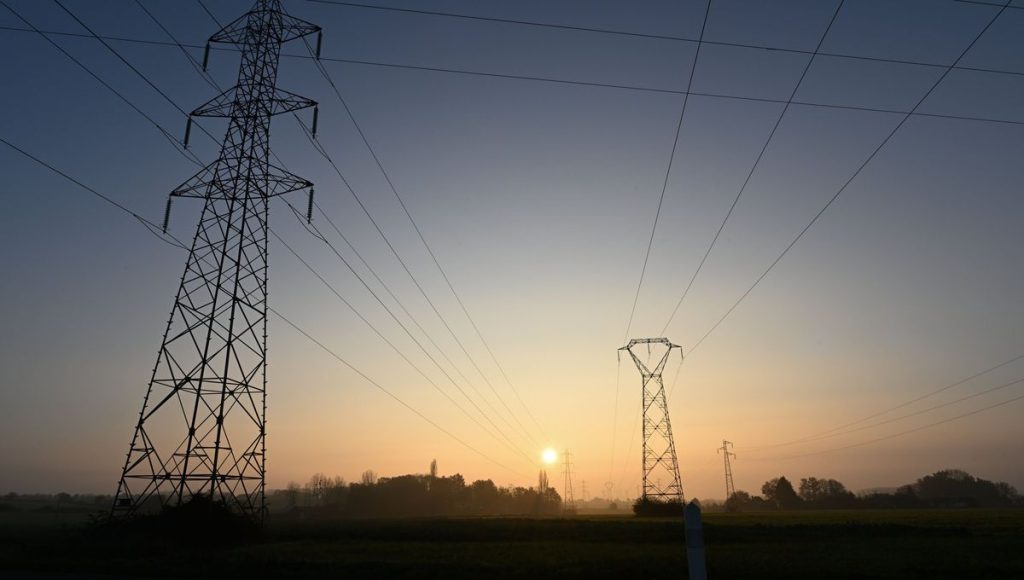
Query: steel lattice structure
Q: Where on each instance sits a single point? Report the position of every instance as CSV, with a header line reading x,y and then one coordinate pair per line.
x,y
568,498
730,487
659,448
202,427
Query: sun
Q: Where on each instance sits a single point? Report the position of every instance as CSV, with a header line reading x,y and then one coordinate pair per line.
x,y
549,456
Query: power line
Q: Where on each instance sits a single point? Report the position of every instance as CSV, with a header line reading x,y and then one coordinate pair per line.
x,y
992,4
668,173
667,91
338,357
895,435
208,13
152,227
656,90
502,20
323,71
654,227
846,184
918,412
747,46
753,168
174,40
929,394
166,134
195,64
313,230
155,230
134,69
607,31
141,74
379,334
323,152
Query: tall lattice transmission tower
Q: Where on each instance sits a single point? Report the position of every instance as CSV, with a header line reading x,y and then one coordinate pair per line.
x,y
730,487
568,498
202,427
660,463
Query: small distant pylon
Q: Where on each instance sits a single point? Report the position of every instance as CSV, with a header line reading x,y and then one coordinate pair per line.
x,y
583,491
659,448
568,499
730,487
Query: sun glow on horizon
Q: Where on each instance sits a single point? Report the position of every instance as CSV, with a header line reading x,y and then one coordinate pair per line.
x,y
549,456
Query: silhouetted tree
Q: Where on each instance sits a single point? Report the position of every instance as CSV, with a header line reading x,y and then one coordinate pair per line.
x,y
369,477
779,491
957,488
826,493
738,501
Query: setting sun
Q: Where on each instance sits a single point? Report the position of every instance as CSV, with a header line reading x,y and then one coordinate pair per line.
x,y
549,456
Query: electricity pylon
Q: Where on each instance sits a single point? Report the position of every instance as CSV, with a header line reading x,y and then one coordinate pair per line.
x,y
659,448
730,487
202,427
568,500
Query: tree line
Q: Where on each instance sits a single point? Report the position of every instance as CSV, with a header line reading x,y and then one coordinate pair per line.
x,y
416,495
949,488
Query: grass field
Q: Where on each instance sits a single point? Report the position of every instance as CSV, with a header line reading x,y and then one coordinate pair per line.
x,y
827,544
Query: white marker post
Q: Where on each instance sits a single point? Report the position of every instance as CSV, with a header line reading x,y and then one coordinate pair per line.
x,y
695,542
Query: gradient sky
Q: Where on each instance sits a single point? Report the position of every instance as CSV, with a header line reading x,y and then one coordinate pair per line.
x,y
538,200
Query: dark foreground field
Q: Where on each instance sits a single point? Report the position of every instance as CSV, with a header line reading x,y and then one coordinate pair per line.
x,y
857,544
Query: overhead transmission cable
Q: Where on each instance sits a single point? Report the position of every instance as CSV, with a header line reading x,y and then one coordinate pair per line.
x,y
895,435
156,230
887,410
654,226
656,90
753,168
913,414
319,235
626,33
846,184
173,240
134,69
668,172
397,399
323,71
380,335
322,150
196,65
142,75
153,228
178,146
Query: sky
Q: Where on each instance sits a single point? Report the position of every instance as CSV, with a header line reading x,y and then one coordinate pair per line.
x,y
538,199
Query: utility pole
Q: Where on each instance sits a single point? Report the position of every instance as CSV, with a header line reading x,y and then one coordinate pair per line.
x,y
202,428
730,488
659,448
568,500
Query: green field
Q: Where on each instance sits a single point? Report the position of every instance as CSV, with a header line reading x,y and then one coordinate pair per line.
x,y
826,544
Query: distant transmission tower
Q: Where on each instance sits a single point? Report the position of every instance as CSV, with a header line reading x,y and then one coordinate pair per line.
x,y
659,448
202,428
730,487
568,500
